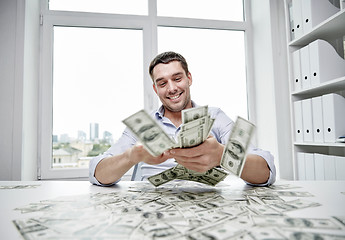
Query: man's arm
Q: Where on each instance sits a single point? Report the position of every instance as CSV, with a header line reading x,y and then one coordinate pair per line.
x,y
255,170
111,169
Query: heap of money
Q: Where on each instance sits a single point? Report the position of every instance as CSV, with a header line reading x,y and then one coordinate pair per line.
x,y
233,158
210,177
195,128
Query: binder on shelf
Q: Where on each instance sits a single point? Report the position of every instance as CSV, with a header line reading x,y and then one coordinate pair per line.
x,y
305,67
309,166
307,117
315,12
301,166
319,166
318,129
297,18
298,121
292,25
296,63
325,63
340,168
333,107
329,163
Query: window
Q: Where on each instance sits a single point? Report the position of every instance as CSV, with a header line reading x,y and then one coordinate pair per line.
x,y
94,70
216,61
205,9
138,7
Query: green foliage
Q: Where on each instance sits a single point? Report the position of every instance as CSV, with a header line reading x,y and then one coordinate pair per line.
x,y
98,149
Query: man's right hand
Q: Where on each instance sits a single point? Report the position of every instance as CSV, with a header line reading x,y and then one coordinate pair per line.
x,y
138,154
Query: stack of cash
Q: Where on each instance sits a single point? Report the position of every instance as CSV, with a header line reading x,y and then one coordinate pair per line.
x,y
195,128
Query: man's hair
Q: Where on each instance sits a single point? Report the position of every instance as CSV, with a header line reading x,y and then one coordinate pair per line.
x,y
167,57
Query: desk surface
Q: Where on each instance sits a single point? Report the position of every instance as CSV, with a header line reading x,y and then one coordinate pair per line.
x,y
229,203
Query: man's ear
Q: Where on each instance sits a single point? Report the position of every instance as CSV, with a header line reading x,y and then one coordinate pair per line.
x,y
154,87
190,80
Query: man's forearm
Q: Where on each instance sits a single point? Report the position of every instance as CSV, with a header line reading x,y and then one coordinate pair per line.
x,y
255,170
111,169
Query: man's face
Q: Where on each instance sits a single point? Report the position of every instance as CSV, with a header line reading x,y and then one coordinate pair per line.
x,y
172,85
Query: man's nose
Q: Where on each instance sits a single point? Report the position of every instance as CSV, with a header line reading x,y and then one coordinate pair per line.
x,y
171,86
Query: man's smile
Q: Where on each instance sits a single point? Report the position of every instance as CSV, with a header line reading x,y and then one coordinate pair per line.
x,y
174,97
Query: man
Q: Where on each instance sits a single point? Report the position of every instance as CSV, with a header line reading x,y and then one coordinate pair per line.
x,y
171,82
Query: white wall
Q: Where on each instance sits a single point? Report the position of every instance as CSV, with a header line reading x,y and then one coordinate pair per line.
x,y
19,49
271,82
11,44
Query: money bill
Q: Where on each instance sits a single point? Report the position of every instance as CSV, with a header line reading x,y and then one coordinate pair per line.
x,y
233,158
295,222
163,177
191,114
149,133
210,177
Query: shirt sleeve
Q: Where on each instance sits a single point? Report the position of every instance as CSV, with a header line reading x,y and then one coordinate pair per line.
x,y
126,141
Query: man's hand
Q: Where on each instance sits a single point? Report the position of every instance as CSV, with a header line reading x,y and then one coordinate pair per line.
x,y
138,154
200,158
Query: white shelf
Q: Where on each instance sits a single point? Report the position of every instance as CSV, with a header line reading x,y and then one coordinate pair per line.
x,y
324,88
331,28
313,144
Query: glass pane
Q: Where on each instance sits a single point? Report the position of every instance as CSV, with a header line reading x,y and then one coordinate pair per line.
x,y
216,60
205,9
136,7
95,70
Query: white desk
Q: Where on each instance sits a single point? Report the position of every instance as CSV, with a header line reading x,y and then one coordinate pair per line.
x,y
330,194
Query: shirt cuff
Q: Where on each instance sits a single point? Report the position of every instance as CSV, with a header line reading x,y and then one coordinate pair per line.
x,y
92,168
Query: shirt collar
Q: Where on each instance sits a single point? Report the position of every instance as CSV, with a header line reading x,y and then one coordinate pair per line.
x,y
160,111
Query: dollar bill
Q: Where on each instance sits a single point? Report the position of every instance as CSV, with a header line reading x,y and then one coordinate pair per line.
x,y
149,133
191,114
163,177
192,137
317,223
233,157
210,177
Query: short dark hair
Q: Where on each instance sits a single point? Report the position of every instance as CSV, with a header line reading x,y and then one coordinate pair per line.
x,y
167,57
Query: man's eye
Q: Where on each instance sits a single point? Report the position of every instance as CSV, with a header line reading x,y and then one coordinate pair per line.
x,y
162,84
178,79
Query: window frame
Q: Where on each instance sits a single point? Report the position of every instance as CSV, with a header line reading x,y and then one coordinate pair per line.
x,y
149,25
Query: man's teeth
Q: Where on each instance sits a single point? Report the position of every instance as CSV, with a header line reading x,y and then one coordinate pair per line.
x,y
174,97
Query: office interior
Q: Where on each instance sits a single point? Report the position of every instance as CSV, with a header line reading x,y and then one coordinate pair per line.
x,y
269,73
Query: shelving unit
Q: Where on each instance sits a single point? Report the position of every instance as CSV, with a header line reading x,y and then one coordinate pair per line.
x,y
328,30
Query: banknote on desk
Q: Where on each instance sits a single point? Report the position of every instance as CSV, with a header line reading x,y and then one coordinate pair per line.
x,y
210,177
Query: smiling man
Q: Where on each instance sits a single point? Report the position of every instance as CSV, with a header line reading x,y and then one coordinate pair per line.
x,y
171,82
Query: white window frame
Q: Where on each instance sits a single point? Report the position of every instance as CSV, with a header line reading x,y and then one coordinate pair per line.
x,y
148,24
